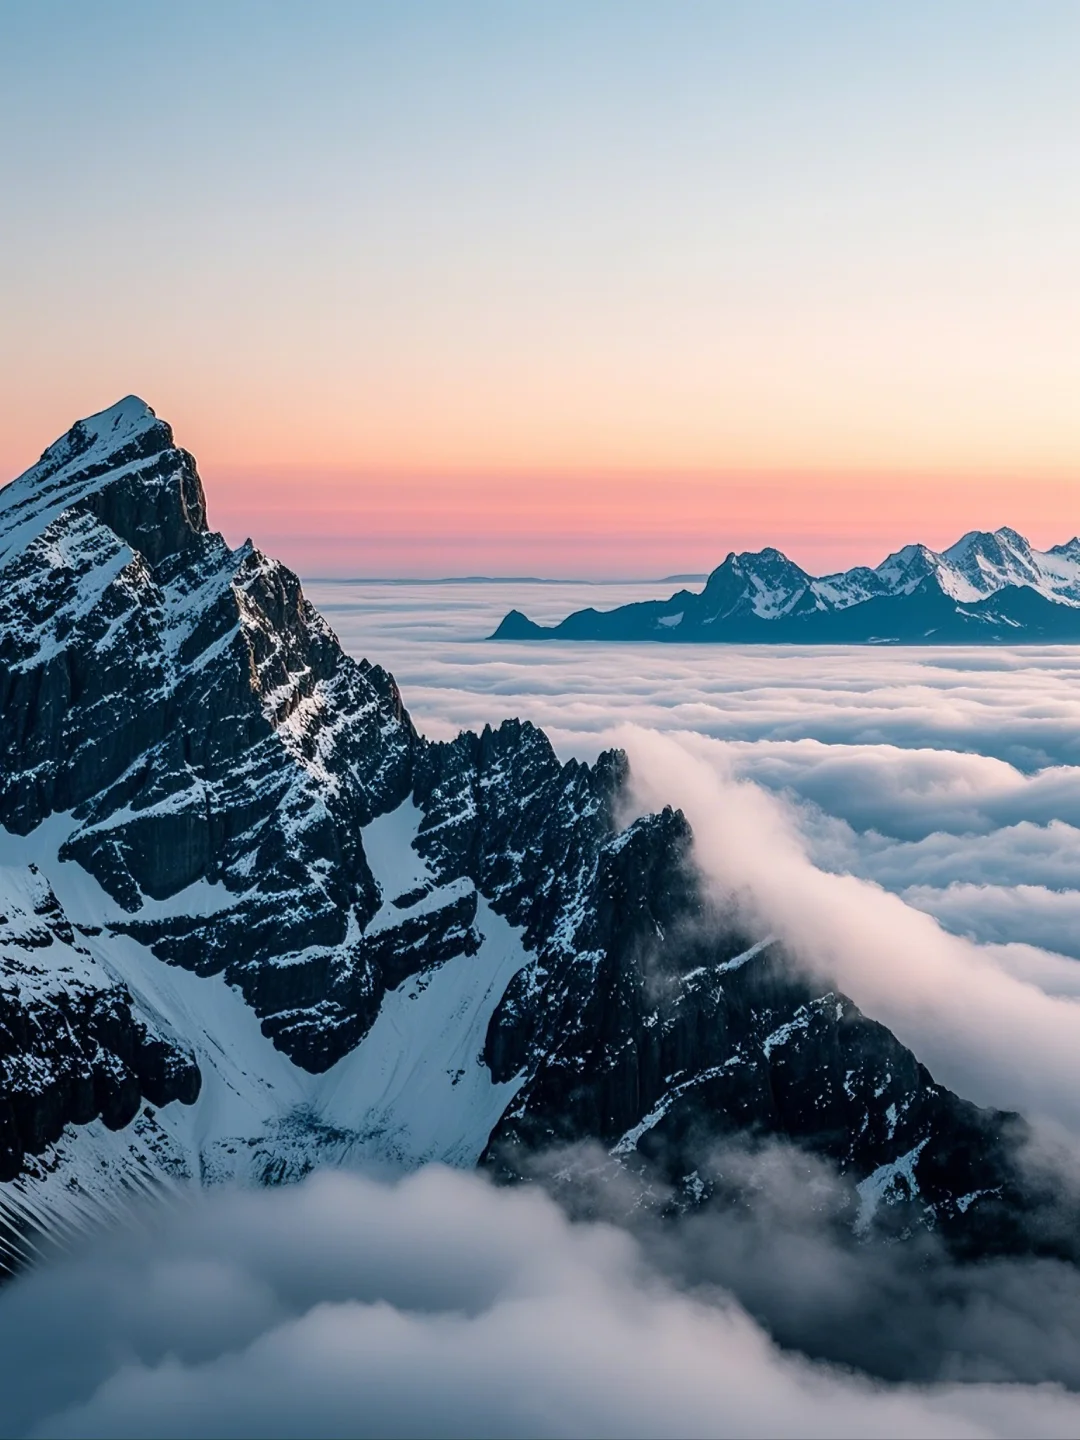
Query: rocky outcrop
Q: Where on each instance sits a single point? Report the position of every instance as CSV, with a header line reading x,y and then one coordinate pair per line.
x,y
198,720
662,1033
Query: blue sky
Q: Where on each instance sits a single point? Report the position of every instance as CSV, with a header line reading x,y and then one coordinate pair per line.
x,y
550,239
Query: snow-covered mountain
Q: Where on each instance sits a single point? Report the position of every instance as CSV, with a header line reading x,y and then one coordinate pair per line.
x,y
252,921
989,586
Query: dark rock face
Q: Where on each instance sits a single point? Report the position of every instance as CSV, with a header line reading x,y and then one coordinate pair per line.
x,y
199,720
220,768
661,1032
500,808
71,1048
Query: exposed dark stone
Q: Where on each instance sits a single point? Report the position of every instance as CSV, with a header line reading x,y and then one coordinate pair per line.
x,y
665,1032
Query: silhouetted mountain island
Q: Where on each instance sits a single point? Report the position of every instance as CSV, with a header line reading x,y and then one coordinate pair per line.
x,y
251,921
990,587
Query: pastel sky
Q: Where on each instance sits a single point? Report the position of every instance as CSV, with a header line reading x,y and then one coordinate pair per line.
x,y
560,287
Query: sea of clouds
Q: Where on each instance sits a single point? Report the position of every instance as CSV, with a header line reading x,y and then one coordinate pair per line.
x,y
442,1306
909,822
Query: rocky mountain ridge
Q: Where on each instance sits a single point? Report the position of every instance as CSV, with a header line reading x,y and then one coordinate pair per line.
x,y
254,922
989,587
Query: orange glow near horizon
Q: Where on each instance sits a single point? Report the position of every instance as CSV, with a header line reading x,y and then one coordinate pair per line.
x,y
610,525
432,501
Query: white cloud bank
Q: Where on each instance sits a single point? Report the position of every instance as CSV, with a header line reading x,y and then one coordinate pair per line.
x,y
1021,706
438,1306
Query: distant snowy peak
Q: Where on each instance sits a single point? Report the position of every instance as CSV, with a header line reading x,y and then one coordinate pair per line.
x,y
916,594
979,564
763,583
904,570
848,587
767,584
988,561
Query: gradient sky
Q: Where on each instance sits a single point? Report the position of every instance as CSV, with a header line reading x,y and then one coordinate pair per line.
x,y
559,288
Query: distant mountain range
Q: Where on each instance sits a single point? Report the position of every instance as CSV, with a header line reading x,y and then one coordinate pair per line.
x,y
990,587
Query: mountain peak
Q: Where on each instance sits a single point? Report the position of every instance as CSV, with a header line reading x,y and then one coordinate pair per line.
x,y
125,417
985,560
121,465
763,582
766,560
988,541
102,436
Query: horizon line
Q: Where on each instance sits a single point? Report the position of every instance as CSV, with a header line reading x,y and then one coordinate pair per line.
x,y
499,579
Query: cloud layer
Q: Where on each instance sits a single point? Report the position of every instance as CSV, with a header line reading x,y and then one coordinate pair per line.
x,y
1021,706
438,1306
